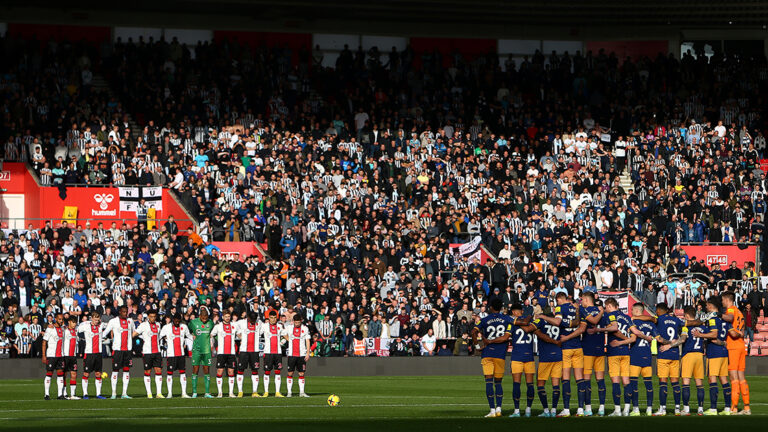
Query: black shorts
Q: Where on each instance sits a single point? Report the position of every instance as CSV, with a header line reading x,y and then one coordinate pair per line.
x,y
152,361
92,363
248,360
54,363
226,361
297,364
121,360
273,361
178,363
70,364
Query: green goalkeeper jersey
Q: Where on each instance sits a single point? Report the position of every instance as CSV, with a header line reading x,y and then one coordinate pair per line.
x,y
202,332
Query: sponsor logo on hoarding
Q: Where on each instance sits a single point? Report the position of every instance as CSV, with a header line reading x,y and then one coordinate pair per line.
x,y
717,259
103,200
230,256
5,176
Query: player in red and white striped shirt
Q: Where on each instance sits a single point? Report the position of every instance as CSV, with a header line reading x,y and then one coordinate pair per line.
x,y
149,332
249,331
298,353
70,355
176,335
121,329
273,351
53,356
92,356
224,335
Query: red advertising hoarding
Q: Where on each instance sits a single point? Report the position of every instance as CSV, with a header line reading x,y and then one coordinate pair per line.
x,y
722,254
238,250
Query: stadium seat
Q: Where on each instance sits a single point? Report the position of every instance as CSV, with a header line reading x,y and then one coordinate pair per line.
x,y
754,352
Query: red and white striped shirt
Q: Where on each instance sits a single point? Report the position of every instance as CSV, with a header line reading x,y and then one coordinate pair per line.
x,y
273,334
54,336
150,334
297,340
92,335
225,338
250,335
70,342
122,332
176,338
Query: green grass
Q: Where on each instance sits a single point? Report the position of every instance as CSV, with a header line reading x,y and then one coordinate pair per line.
x,y
367,404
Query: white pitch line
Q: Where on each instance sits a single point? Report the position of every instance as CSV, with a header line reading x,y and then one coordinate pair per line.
x,y
206,407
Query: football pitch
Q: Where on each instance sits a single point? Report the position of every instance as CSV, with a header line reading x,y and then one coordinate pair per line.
x,y
367,404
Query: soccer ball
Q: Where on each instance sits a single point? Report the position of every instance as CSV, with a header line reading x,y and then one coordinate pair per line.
x,y
333,400
104,375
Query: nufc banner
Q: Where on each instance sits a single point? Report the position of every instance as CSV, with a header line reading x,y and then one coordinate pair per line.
x,y
130,197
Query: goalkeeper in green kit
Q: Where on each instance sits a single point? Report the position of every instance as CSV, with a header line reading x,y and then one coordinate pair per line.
x,y
201,350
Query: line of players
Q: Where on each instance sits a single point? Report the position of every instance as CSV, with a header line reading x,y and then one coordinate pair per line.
x,y
60,343
577,339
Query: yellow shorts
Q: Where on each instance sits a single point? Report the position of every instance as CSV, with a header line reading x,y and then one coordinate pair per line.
x,y
550,370
594,363
692,366
618,366
523,367
493,366
668,368
637,371
718,367
573,358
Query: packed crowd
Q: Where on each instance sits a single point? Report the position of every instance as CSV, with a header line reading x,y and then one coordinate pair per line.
x,y
359,177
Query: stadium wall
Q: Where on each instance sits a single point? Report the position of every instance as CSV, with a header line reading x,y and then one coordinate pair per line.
x,y
345,366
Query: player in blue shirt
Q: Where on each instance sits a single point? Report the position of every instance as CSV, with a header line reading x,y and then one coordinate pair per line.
x,y
692,363
593,346
550,363
640,360
571,328
616,324
494,332
522,358
669,328
717,355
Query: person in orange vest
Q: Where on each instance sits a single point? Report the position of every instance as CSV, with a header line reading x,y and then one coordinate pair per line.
x,y
358,345
737,353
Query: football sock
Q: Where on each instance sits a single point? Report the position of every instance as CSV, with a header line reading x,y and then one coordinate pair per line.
x,y
726,393
566,386
60,384
169,383
676,392
649,390
266,381
98,385
499,391
516,394
72,387
713,395
581,392
255,381
628,394
240,382
194,383
489,393
555,397
126,380
601,391
735,389
278,378
616,394
289,384
219,382
700,395
159,383
147,382
207,381
301,384
745,393
663,388
686,394
588,391
183,381
47,383
231,383
84,384
113,381
543,396
530,395
634,393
